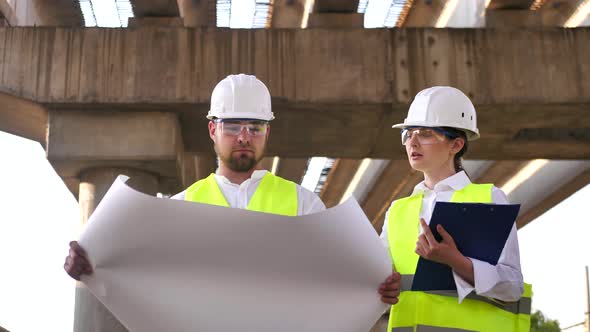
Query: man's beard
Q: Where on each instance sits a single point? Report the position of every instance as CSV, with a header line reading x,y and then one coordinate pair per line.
x,y
242,163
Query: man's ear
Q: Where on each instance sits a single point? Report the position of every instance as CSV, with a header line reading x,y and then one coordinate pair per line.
x,y
268,132
212,130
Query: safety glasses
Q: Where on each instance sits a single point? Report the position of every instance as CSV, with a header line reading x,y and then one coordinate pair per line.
x,y
425,136
233,127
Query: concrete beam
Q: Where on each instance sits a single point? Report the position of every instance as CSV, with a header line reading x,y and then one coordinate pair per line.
x,y
165,8
71,168
206,164
73,184
510,4
292,169
354,78
8,13
50,13
557,12
338,180
267,163
501,171
141,140
476,168
560,194
335,6
170,186
554,13
424,13
367,175
192,167
287,14
64,13
336,14
335,20
23,118
381,324
140,22
176,57
188,168
197,14
112,136
329,141
510,19
540,180
397,180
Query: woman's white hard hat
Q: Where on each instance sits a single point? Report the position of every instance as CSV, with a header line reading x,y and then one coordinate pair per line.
x,y
442,106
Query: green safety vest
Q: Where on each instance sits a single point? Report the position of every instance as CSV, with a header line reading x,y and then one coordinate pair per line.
x,y
273,195
435,311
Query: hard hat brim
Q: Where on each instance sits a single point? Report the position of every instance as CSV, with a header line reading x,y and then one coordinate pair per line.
x,y
254,116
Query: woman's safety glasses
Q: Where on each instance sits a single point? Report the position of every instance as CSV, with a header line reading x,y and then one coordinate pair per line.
x,y
233,127
425,136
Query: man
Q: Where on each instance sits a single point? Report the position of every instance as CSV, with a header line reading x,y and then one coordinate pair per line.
x,y
239,127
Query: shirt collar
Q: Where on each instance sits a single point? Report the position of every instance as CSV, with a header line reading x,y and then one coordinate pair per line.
x,y
256,175
454,182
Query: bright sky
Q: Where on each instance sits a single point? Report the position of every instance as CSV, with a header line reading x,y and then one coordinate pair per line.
x,y
107,13
554,250
39,216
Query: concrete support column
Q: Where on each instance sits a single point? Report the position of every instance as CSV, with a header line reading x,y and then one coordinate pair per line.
x,y
205,165
90,314
139,22
335,20
381,324
198,13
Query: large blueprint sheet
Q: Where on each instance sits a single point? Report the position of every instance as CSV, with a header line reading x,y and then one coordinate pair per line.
x,y
168,265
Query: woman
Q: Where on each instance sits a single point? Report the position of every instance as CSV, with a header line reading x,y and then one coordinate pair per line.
x,y
440,123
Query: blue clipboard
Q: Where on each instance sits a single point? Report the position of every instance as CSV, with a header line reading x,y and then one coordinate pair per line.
x,y
479,230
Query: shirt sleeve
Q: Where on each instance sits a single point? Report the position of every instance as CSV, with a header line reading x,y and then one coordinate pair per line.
x,y
308,202
179,196
503,281
383,235
385,242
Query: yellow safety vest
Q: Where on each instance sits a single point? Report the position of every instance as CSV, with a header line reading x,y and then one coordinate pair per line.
x,y
273,195
439,310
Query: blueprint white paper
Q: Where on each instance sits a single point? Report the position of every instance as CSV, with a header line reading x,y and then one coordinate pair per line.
x,y
169,265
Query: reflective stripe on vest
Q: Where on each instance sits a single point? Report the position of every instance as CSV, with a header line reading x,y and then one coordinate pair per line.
x,y
426,328
273,195
440,311
522,306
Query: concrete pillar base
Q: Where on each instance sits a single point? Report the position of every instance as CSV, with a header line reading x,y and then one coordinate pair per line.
x,y
95,182
90,314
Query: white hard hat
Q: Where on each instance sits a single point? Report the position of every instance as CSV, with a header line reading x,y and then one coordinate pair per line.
x,y
240,97
442,106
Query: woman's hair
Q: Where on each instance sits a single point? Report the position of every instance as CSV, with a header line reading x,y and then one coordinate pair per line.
x,y
458,157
